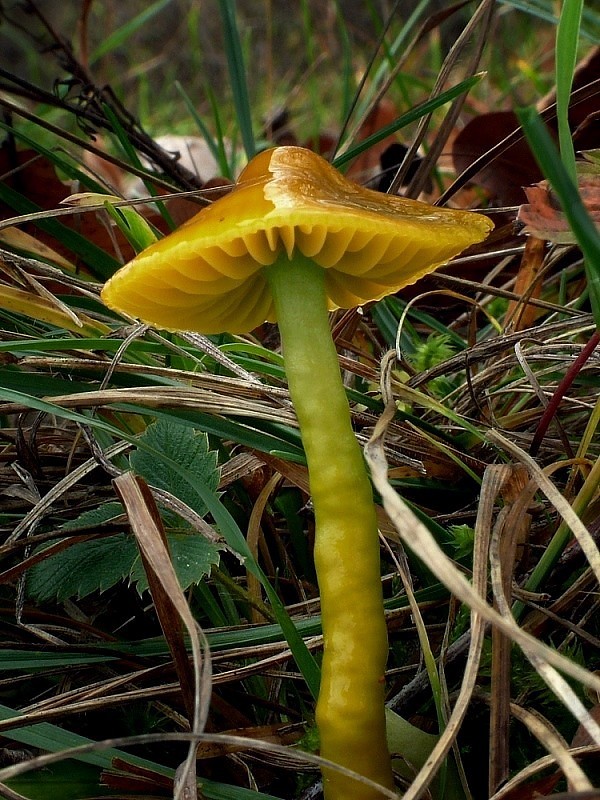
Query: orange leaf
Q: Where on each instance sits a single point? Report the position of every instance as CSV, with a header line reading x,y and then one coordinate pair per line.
x,y
543,216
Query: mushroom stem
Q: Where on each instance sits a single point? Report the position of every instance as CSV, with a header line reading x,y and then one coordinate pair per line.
x,y
350,709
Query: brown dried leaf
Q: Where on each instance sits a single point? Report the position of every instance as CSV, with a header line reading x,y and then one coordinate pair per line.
x,y
516,167
25,243
126,777
543,216
533,790
505,176
520,313
368,164
35,178
278,733
169,601
582,737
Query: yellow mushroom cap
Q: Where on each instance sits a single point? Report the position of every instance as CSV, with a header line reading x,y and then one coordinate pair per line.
x,y
208,277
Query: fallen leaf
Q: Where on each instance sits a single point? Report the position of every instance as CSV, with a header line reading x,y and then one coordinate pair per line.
x,y
504,177
582,738
516,167
368,164
49,310
25,243
543,217
34,177
520,313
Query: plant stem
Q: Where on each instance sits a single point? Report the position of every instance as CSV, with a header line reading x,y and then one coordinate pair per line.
x,y
562,388
350,710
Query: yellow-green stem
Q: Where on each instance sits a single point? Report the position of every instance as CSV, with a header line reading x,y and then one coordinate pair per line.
x,y
350,709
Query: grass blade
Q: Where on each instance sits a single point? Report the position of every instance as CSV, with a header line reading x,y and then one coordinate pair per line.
x,y
585,231
121,36
215,145
406,119
237,74
133,157
545,10
97,260
567,38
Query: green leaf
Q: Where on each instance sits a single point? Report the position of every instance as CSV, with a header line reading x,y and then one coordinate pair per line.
x,y
133,226
13,660
545,10
135,234
192,556
95,516
463,538
180,444
216,144
83,568
98,564
51,738
223,519
102,264
63,781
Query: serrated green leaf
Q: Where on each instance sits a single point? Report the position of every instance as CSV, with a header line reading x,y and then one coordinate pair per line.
x,y
192,556
186,448
98,564
83,568
95,516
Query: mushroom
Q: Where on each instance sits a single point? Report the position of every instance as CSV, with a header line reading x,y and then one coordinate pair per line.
x,y
292,241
